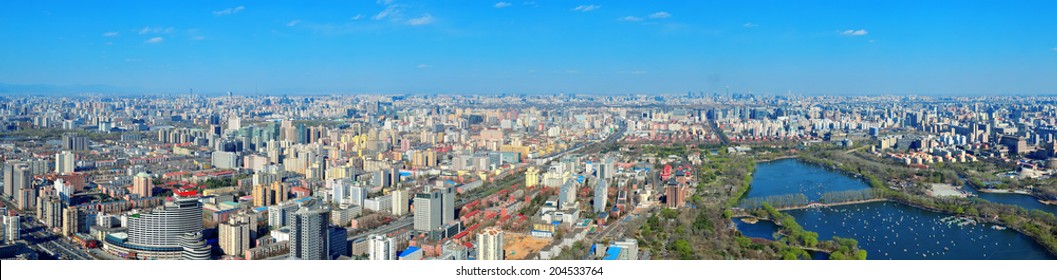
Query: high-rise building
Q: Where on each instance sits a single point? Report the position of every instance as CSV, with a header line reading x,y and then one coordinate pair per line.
x,y
71,221
74,143
675,195
49,211
428,214
17,183
339,242
27,192
532,177
490,244
164,226
400,202
142,185
308,232
278,214
65,162
447,207
601,193
9,178
272,194
357,194
12,228
381,248
234,237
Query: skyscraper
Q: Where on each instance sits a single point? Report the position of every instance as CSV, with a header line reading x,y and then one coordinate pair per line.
x,y
490,244
65,162
381,248
308,233
428,214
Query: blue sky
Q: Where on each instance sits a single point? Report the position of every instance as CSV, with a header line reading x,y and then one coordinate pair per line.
x,y
534,47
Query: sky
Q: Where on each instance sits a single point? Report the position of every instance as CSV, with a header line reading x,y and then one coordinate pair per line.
x,y
531,47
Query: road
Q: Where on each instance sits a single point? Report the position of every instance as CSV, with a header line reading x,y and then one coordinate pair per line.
x,y
44,241
719,132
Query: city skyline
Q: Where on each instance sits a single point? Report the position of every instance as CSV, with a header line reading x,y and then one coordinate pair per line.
x,y
534,47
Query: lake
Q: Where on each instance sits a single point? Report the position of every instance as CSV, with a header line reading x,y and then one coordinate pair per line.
x,y
886,230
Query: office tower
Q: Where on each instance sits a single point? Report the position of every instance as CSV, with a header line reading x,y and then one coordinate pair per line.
x,y
308,233
234,237
71,221
74,143
490,244
601,195
12,228
447,204
65,162
142,185
381,248
400,202
339,242
164,226
428,211
194,247
17,177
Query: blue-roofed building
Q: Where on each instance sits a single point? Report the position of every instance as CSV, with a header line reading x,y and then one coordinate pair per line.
x,y
411,253
612,254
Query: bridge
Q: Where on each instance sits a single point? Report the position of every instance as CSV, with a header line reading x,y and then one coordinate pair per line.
x,y
826,205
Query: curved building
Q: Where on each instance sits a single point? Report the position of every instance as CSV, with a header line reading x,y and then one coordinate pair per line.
x,y
195,247
159,233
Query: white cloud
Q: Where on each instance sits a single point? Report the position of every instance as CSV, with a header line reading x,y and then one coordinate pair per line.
x,y
423,20
851,32
110,34
357,17
198,38
390,11
229,11
502,5
424,66
154,30
661,14
587,8
630,18
750,25
154,40
293,23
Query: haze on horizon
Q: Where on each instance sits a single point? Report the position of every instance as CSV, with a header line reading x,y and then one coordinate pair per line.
x,y
531,47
